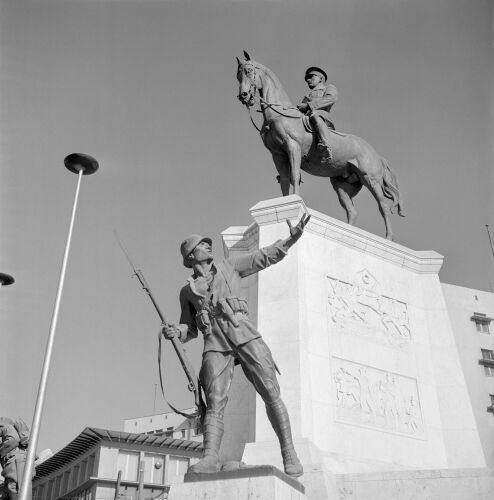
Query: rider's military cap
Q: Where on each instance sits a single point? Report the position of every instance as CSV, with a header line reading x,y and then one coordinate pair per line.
x,y
315,69
189,244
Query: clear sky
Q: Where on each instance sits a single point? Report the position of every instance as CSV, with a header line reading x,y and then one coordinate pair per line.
x,y
149,89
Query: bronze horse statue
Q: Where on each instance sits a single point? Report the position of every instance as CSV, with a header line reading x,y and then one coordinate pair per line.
x,y
352,163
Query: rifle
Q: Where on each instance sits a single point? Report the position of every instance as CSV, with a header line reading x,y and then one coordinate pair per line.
x,y
194,384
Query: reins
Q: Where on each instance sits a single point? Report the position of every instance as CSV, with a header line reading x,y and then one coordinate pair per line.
x,y
270,105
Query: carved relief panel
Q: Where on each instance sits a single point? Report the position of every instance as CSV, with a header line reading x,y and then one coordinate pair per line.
x,y
358,308
375,398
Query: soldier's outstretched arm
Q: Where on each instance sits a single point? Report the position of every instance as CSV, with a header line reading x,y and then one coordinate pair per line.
x,y
297,231
272,254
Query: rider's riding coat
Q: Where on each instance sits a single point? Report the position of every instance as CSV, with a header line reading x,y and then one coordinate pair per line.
x,y
320,100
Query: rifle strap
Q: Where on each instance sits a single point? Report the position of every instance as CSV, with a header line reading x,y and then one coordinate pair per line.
x,y
189,416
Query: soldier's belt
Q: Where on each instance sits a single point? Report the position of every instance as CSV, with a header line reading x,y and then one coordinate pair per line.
x,y
216,312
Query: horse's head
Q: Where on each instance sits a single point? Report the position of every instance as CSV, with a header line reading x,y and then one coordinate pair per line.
x,y
249,80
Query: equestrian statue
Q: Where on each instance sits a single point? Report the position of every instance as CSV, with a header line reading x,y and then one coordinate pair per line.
x,y
303,138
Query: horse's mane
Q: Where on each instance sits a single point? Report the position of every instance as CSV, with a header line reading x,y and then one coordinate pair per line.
x,y
270,74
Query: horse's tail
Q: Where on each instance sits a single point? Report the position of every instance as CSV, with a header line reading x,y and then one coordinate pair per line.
x,y
390,187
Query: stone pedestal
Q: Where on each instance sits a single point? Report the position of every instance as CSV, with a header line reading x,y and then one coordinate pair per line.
x,y
369,367
261,483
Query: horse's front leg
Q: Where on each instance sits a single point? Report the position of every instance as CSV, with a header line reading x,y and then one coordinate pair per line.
x,y
294,158
283,168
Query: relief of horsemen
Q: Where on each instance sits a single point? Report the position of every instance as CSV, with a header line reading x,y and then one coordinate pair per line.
x,y
357,308
376,398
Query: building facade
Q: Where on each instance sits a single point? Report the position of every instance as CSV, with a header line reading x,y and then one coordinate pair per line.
x,y
471,313
89,466
169,424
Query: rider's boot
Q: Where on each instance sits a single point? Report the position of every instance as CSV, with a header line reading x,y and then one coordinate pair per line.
x,y
278,416
323,134
213,432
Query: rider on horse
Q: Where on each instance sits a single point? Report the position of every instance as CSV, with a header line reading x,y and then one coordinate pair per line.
x,y
318,103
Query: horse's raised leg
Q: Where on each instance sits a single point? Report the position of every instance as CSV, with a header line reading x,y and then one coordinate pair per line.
x,y
346,191
283,168
376,189
294,159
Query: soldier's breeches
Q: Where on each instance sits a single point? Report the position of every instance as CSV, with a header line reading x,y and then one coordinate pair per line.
x,y
257,363
260,369
216,377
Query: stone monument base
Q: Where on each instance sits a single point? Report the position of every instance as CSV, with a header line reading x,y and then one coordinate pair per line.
x,y
436,484
263,482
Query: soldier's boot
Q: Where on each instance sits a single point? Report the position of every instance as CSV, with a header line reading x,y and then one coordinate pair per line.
x,y
278,416
213,432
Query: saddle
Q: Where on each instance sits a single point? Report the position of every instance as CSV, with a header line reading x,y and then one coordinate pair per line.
x,y
329,123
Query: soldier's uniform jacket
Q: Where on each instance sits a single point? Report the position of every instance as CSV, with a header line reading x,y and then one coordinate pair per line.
x,y
321,99
216,308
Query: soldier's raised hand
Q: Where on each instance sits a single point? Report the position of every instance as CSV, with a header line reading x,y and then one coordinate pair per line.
x,y
297,231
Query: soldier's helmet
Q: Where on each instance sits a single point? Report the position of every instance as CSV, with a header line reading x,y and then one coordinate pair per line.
x,y
315,70
189,244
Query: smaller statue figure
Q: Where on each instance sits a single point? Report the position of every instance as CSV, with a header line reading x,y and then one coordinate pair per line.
x,y
14,440
317,104
212,304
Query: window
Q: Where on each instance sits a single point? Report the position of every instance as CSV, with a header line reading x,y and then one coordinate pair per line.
x,y
490,408
482,327
482,322
56,488
183,433
128,463
487,354
49,490
489,371
38,493
65,482
90,466
158,431
169,432
154,468
75,477
129,492
177,467
82,477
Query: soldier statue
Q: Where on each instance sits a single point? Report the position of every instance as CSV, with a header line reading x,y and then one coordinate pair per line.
x,y
14,440
211,303
317,104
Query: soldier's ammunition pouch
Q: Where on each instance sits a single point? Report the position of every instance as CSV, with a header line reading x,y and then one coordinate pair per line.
x,y
227,308
203,321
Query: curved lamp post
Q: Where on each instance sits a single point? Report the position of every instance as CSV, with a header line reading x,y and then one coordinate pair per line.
x,y
80,164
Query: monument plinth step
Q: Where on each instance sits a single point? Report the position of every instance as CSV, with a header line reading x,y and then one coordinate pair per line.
x,y
263,482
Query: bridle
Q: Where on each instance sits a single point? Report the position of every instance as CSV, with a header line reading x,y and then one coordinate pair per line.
x,y
255,91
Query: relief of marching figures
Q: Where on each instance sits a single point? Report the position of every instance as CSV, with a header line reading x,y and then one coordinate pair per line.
x,y
375,398
359,309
